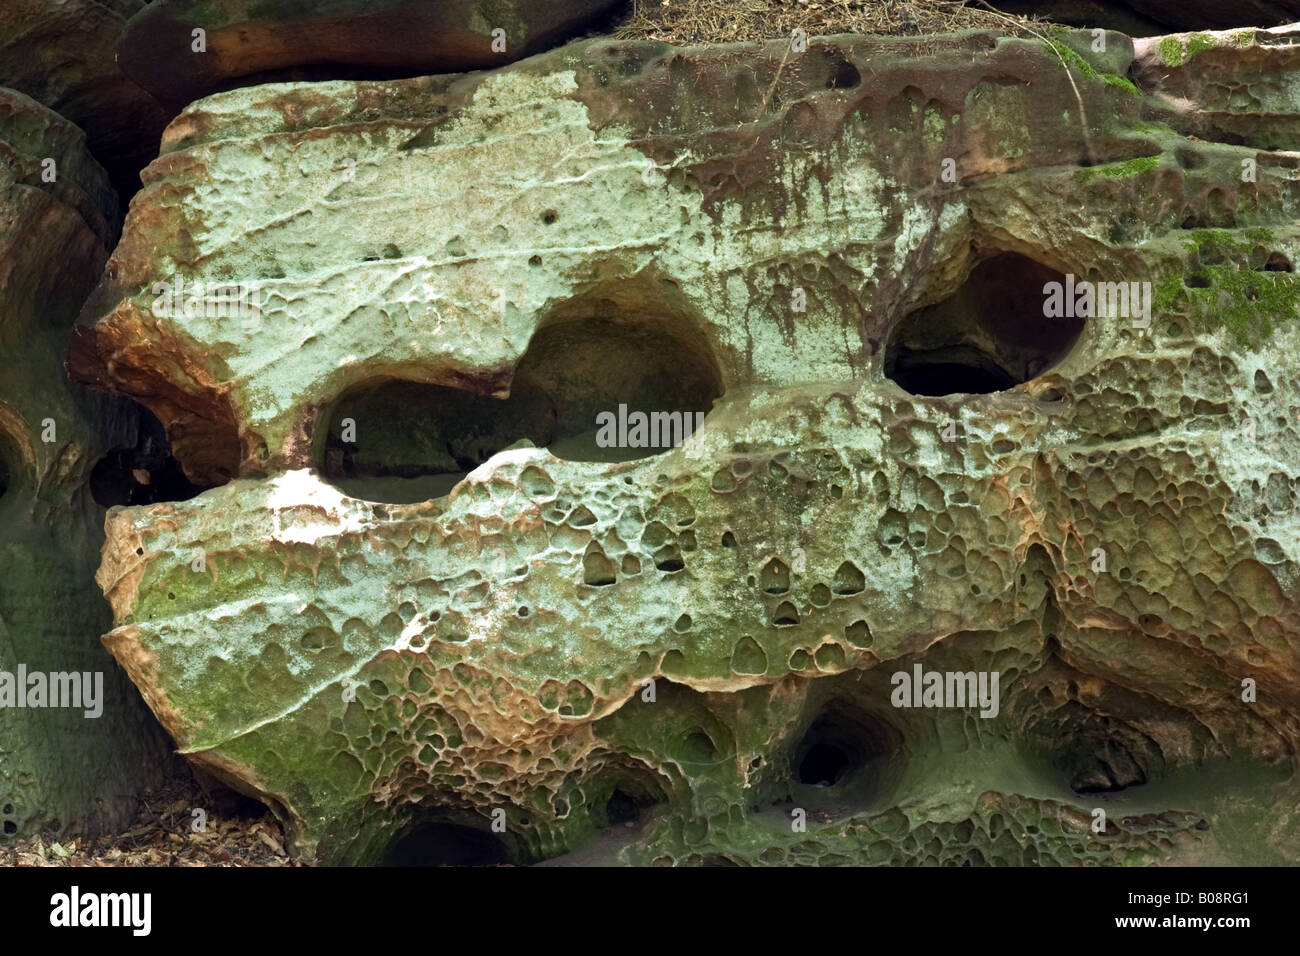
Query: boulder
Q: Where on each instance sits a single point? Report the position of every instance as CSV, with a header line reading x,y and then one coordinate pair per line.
x,y
448,596
77,745
244,40
63,53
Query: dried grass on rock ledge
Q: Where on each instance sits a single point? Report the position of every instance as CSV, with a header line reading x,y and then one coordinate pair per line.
x,y
687,22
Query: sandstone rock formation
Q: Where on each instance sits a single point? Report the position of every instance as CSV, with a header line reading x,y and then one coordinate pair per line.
x,y
65,56
445,279
59,768
242,39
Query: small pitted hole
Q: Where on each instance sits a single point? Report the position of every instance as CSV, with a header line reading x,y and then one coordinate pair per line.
x,y
171,596
669,559
139,550
523,611
844,75
10,828
549,217
1052,395
785,615
1262,385
597,570
821,595
728,539
699,748
858,634
848,579
316,640
683,623
776,577
534,261
1196,281
1278,262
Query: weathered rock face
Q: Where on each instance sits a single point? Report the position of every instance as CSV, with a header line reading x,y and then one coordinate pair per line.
x,y
244,38
1235,88
454,276
63,54
79,765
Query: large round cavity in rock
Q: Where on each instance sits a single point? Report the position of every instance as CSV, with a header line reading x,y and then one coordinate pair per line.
x,y
601,373
579,390
990,335
847,750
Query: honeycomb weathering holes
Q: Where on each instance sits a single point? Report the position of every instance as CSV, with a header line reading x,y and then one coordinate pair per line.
x,y
989,335
401,441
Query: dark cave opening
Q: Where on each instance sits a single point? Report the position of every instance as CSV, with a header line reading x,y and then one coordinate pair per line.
x,y
143,474
621,808
990,335
951,370
843,747
1095,753
448,844
823,765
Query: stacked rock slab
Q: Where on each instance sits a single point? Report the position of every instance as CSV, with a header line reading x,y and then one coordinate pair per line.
x,y
558,640
183,49
63,53
60,769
